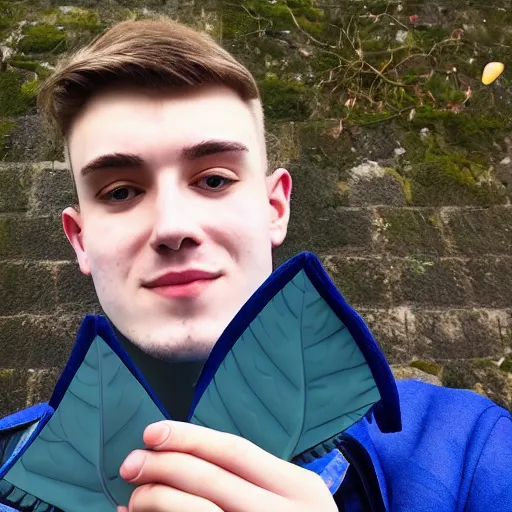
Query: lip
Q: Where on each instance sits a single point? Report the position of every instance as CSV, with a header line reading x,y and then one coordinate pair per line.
x,y
188,283
181,278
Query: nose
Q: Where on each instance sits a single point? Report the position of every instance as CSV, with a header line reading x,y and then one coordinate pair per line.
x,y
176,223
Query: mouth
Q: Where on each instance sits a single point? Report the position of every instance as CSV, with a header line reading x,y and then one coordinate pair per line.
x,y
186,284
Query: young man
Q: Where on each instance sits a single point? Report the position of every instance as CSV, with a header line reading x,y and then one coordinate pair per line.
x,y
176,223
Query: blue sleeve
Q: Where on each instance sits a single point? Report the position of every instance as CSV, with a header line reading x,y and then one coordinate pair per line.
x,y
491,487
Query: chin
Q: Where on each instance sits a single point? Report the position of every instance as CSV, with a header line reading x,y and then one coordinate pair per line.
x,y
181,341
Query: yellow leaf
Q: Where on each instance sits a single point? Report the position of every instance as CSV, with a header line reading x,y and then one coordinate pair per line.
x,y
492,71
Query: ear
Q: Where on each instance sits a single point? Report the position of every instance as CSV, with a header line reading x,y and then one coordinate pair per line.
x,y
72,224
279,188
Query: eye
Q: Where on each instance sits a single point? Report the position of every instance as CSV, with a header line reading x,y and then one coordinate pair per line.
x,y
215,182
121,194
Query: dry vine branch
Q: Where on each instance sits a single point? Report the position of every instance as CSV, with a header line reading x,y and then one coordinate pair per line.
x,y
307,34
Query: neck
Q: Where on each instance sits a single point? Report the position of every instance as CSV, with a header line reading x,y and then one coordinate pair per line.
x,y
173,383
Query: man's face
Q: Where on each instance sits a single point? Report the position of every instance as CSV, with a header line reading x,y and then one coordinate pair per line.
x,y
189,200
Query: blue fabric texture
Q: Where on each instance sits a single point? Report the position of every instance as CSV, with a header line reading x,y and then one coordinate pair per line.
x,y
24,416
454,452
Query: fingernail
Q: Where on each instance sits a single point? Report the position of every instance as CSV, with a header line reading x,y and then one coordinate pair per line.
x,y
122,509
132,465
157,433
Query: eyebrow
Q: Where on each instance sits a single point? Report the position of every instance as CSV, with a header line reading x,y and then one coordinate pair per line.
x,y
193,152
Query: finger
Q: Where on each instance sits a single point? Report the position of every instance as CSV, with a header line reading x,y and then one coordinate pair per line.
x,y
203,479
233,453
160,498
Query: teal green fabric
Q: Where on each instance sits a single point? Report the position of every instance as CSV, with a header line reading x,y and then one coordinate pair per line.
x,y
74,462
294,376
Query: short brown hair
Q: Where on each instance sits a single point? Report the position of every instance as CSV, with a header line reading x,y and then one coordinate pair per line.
x,y
153,53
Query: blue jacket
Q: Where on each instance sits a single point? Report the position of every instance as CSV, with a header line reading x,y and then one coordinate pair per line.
x,y
297,372
454,454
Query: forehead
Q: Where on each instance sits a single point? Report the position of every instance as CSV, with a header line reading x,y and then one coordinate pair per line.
x,y
157,125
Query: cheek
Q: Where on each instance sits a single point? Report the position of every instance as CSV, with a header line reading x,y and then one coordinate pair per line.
x,y
110,246
242,219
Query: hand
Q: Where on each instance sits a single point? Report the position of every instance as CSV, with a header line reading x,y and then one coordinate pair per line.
x,y
190,468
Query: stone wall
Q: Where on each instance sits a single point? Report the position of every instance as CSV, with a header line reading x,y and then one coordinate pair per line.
x,y
401,160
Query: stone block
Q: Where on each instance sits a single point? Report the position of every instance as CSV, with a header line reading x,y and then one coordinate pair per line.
x,y
433,282
53,190
491,278
390,328
36,238
316,189
319,151
341,228
458,334
15,184
411,231
404,372
26,288
75,291
481,231
13,397
327,231
481,376
380,190
30,141
40,384
361,281
445,183
29,341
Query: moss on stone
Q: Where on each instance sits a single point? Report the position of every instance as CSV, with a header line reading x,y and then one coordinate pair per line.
x,y
360,117
284,100
10,14
430,36
6,126
324,61
29,91
322,151
506,366
483,363
29,65
444,91
471,130
42,38
442,181
450,160
405,183
427,367
43,72
19,62
254,15
436,221
12,101
77,17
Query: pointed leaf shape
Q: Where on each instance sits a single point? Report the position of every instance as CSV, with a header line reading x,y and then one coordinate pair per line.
x,y
74,461
289,373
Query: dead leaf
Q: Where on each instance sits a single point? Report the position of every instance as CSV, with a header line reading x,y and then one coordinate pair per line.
x,y
305,53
